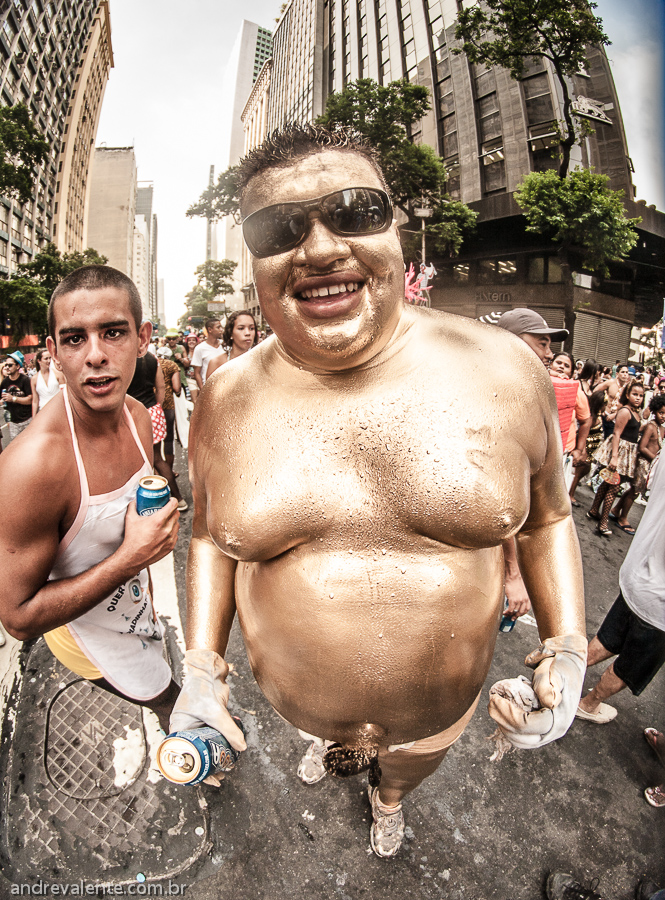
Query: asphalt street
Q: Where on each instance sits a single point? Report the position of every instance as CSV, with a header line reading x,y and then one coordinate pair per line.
x,y
475,829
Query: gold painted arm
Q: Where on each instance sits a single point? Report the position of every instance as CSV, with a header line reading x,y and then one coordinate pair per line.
x,y
551,565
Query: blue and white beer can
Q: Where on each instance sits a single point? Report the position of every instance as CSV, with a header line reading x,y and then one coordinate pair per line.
x,y
153,493
188,757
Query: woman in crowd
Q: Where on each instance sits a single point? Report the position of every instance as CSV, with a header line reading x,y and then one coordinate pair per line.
x,y
618,453
648,449
240,335
46,382
597,402
574,414
190,344
592,378
614,389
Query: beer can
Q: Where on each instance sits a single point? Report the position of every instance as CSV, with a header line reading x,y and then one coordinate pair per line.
x,y
188,757
153,493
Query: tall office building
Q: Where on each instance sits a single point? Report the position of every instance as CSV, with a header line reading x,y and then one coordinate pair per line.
x,y
113,206
144,199
55,57
73,184
252,48
490,130
297,92
255,124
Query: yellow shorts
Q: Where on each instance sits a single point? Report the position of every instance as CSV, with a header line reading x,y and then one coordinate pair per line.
x,y
62,645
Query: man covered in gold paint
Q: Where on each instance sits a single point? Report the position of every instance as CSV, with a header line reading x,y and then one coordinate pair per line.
x,y
354,478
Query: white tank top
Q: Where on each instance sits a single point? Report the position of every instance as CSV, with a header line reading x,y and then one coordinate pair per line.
x,y
47,391
121,635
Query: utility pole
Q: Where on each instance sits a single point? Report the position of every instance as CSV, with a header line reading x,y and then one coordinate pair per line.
x,y
211,181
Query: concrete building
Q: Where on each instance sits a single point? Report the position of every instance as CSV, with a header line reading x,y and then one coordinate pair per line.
x,y
253,46
73,185
140,262
144,201
490,130
55,57
255,124
113,206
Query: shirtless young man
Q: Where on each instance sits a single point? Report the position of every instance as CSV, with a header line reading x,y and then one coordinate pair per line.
x,y
355,523
74,553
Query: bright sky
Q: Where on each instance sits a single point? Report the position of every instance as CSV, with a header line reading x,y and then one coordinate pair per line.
x,y
165,98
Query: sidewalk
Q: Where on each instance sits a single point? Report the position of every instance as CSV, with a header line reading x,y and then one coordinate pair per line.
x,y
81,800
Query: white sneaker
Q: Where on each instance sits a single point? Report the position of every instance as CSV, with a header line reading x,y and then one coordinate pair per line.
x,y
183,505
311,768
387,830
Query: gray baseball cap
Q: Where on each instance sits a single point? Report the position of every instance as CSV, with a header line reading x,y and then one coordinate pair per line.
x,y
526,321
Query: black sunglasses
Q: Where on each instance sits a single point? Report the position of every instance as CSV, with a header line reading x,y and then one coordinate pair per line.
x,y
354,211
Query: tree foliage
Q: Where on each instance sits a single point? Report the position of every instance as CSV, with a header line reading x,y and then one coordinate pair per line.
x,y
507,32
22,150
384,115
580,212
24,298
220,199
212,281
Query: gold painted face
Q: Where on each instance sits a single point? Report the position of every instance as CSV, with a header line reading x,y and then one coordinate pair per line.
x,y
333,301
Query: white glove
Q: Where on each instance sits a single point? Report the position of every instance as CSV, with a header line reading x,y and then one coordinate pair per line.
x,y
203,697
560,664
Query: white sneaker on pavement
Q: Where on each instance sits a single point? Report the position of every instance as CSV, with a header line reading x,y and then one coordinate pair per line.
x,y
387,830
311,768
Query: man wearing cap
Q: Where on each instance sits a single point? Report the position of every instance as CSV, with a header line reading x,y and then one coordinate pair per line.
x,y
534,331
16,392
178,352
570,398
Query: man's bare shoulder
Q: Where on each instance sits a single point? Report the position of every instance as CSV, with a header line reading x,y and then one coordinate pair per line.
x,y
141,418
483,349
39,465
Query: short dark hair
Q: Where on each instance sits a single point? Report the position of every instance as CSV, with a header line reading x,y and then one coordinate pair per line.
x,y
282,148
94,278
227,337
211,321
657,402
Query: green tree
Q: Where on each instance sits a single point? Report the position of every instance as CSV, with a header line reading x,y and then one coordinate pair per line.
x,y
220,199
385,115
22,150
579,212
212,281
24,298
507,32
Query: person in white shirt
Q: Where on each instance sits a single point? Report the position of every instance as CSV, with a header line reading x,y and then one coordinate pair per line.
x,y
634,628
205,351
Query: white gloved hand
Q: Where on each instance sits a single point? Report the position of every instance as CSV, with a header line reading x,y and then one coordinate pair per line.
x,y
560,664
203,697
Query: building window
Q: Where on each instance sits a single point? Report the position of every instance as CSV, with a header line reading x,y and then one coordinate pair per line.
x,y
494,166
453,178
544,270
497,271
